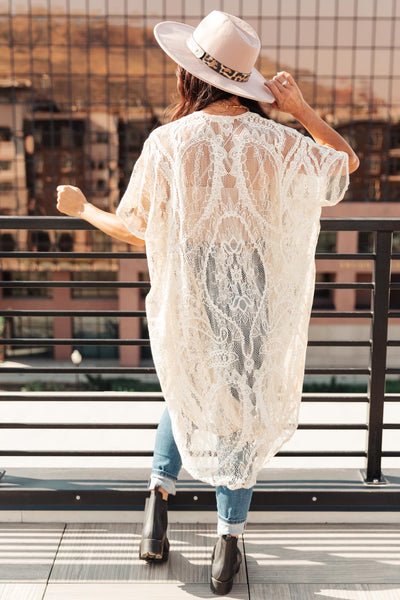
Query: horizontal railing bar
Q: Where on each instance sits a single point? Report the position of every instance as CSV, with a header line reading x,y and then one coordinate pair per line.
x,y
393,342
143,453
358,314
395,314
88,255
75,370
339,343
77,396
138,454
337,371
360,224
308,426
72,342
131,370
330,397
34,255
142,313
72,313
78,425
52,223
393,371
343,286
147,284
75,284
392,397
81,397
395,255
345,255
74,223
144,341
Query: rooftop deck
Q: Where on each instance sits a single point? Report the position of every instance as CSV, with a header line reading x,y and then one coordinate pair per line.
x,y
98,561
297,551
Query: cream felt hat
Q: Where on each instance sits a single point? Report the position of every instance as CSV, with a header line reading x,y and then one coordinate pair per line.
x,y
221,50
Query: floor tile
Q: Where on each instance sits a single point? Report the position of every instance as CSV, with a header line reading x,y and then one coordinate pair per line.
x,y
21,591
343,592
269,591
109,552
144,591
27,550
323,553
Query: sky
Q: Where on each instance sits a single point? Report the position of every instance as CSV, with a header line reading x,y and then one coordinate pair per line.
x,y
344,31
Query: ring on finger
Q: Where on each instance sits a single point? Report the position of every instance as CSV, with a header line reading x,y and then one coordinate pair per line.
x,y
284,82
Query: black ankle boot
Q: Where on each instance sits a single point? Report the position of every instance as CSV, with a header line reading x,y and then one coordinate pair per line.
x,y
154,545
226,559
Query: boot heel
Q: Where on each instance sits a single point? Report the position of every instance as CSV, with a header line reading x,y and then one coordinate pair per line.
x,y
154,549
166,549
221,587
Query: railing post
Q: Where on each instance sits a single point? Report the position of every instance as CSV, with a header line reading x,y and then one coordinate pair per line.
x,y
377,376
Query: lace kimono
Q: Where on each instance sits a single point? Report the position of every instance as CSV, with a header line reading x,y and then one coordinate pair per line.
x,y
229,207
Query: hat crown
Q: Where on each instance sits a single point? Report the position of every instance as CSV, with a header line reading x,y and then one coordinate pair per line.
x,y
230,40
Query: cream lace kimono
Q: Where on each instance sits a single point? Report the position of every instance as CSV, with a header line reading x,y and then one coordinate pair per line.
x,y
229,208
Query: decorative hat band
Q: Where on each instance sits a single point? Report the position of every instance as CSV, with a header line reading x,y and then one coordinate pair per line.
x,y
215,64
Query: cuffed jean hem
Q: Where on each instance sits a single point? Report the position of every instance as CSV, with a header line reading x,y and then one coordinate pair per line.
x,y
225,528
167,483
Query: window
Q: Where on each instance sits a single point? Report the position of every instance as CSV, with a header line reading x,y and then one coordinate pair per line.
x,y
39,241
7,242
373,164
395,136
5,134
96,327
396,241
6,186
366,241
5,165
27,292
363,297
39,164
66,164
326,241
100,137
394,165
323,298
95,292
395,294
28,327
375,138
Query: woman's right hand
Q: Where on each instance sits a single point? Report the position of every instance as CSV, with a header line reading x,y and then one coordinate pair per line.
x,y
288,96
70,200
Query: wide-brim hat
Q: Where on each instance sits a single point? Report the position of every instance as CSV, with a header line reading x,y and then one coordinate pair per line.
x,y
222,51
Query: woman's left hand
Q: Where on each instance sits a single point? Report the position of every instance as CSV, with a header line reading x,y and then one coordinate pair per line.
x,y
288,97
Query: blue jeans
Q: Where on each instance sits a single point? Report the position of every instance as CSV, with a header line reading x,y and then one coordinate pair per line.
x,y
232,505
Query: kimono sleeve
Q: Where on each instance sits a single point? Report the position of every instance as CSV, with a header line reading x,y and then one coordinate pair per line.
x,y
134,207
330,168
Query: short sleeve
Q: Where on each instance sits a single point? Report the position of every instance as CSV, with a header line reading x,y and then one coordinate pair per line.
x,y
330,168
135,204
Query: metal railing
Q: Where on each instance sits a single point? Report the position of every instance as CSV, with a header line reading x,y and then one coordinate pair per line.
x,y
376,371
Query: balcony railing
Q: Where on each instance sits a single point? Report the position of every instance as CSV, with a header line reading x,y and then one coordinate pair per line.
x,y
373,492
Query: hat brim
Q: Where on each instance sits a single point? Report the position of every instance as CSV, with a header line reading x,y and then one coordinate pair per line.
x,y
172,37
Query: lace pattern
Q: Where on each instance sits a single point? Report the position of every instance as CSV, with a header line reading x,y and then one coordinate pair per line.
x,y
229,208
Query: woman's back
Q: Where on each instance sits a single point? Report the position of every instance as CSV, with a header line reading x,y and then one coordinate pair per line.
x,y
230,210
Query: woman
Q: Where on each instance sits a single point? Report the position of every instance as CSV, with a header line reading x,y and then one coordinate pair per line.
x,y
228,203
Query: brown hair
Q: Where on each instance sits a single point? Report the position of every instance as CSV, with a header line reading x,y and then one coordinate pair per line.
x,y
195,94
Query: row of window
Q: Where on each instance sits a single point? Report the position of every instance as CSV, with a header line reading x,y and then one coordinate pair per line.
x,y
99,242
323,298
